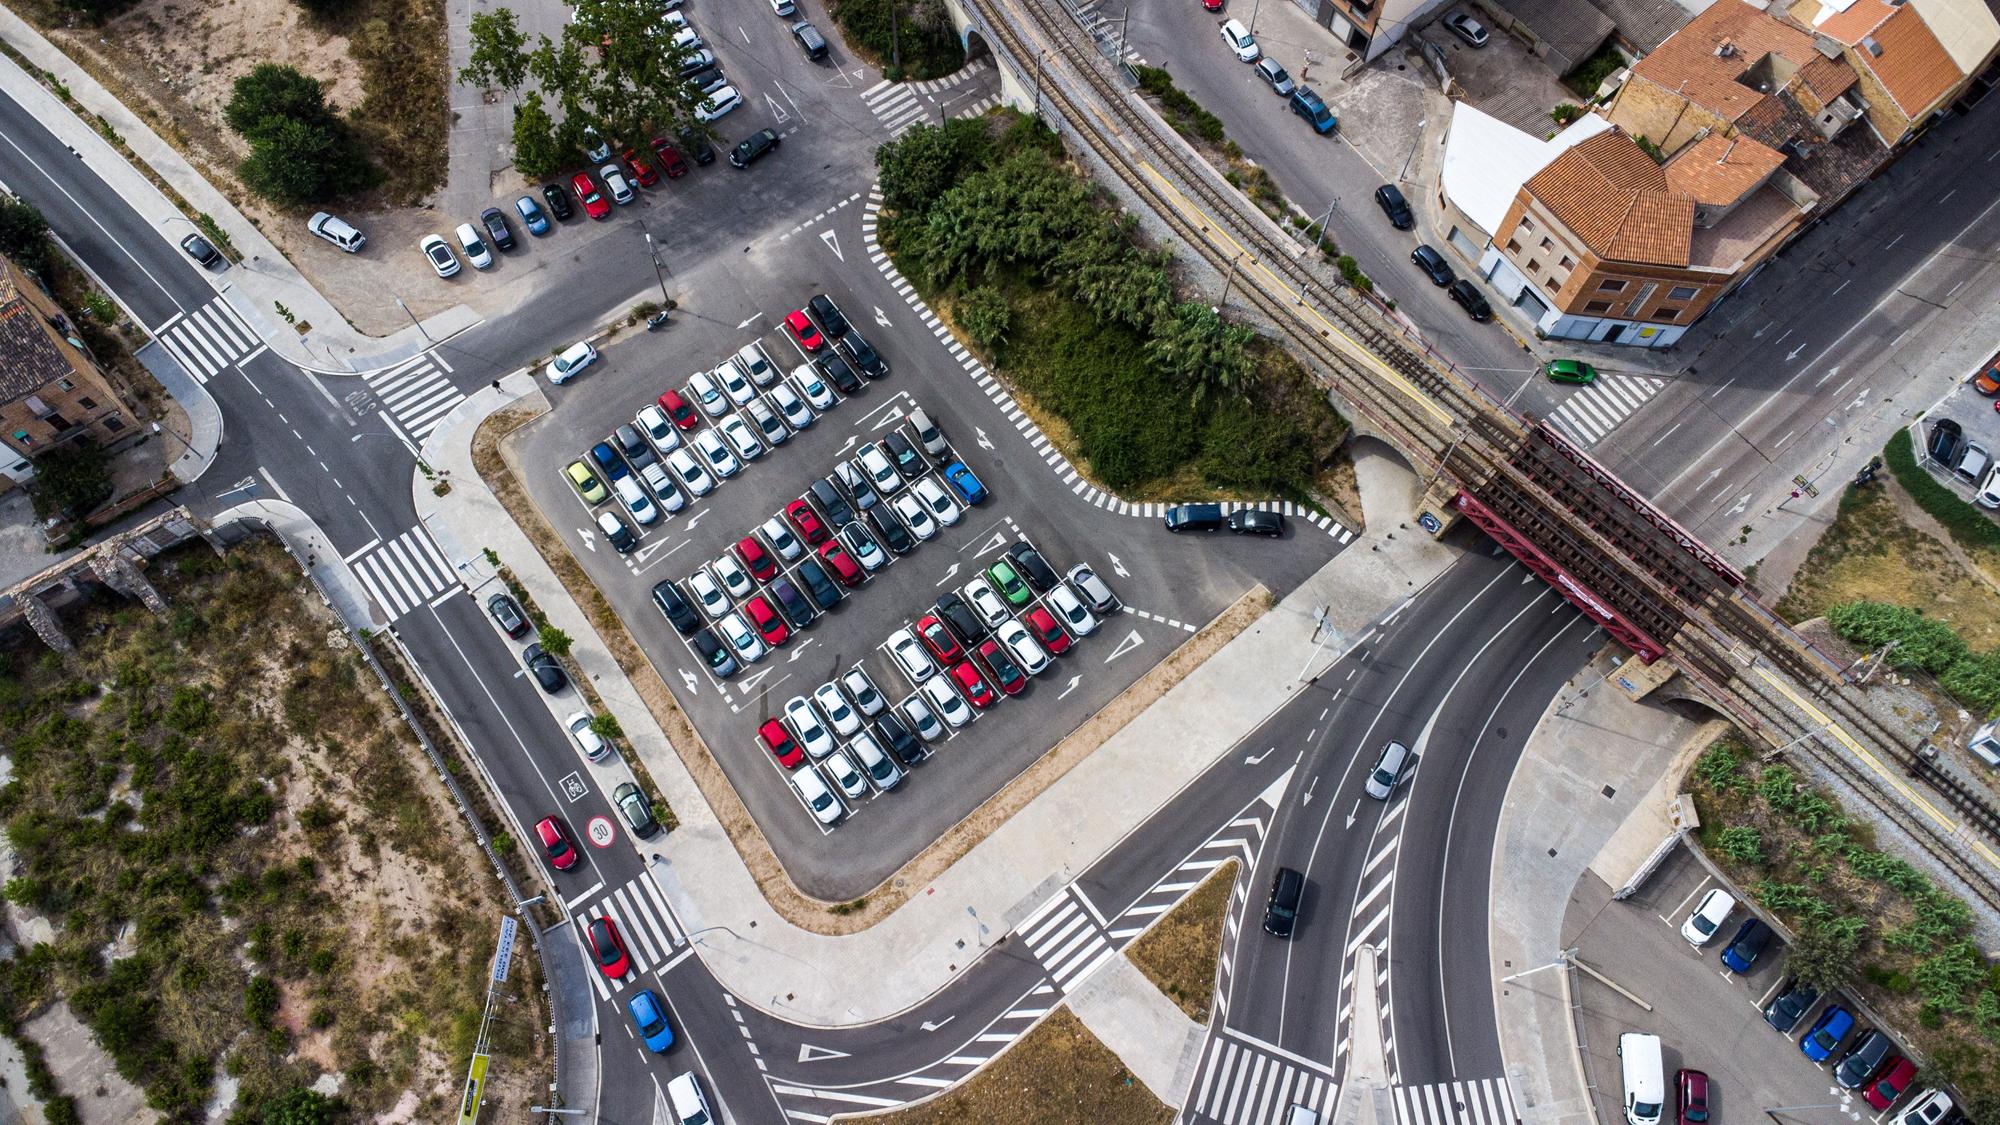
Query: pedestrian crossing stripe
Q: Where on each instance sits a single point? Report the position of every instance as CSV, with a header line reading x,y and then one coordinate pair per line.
x,y
416,393
639,910
404,573
1478,1101
208,339
1241,1085
1597,409
1066,938
899,105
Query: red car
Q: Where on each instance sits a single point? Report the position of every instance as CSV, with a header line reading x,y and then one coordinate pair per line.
x,y
1691,1090
769,625
671,161
938,639
756,559
802,330
807,521
1006,673
843,564
1212,5
781,744
555,844
972,684
1046,630
1896,1074
641,171
607,948
594,203
678,409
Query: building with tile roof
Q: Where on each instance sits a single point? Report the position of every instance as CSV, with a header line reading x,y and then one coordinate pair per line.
x,y
51,390
1914,57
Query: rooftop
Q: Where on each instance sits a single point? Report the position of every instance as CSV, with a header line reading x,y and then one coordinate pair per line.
x,y
1717,170
1708,61
1612,195
29,359
1487,160
1731,244
1573,29
1896,43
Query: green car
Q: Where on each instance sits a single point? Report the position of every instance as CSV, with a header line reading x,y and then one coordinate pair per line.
x,y
1570,371
1008,583
586,483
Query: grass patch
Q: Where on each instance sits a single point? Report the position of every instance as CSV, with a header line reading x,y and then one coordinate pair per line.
x,y
922,43
1591,72
1959,517
1185,114
1179,953
405,110
1057,1074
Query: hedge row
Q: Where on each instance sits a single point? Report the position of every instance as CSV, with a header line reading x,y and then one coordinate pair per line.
x,y
1972,678
1966,523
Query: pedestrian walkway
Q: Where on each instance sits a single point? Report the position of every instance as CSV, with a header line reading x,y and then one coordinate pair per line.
x,y
208,339
1105,29
639,910
1246,1081
1595,410
1478,1101
404,573
899,105
415,395
1067,936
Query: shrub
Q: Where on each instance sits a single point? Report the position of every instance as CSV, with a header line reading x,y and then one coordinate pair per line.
x,y
260,1001
1824,954
1720,767
1182,112
1591,72
1564,113
912,38
985,315
1944,977
24,235
1350,272
922,164
70,480
1961,519
1742,844
554,641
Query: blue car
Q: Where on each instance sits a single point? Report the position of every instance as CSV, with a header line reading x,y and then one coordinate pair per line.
x,y
531,215
1827,1031
964,483
1741,952
608,460
650,1017
1307,104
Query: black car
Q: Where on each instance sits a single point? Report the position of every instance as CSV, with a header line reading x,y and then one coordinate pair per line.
x,y
797,610
865,356
509,616
1864,1060
903,455
1433,265
832,503
899,738
713,653
891,531
960,617
839,374
828,314
753,148
547,672
1395,206
1032,566
1256,521
1468,295
637,453
558,199
708,79
199,249
1946,436
1193,517
497,228
675,606
1790,1006
818,584
695,143
1281,910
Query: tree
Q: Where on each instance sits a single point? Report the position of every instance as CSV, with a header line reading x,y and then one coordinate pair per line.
x,y
1193,344
554,641
305,162
24,235
271,94
70,480
499,52
985,315
1824,954
922,164
299,1105
538,150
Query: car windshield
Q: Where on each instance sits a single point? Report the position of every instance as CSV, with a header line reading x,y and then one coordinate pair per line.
x,y
1384,777
1645,1110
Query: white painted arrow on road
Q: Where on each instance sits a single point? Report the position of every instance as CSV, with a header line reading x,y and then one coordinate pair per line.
x,y
752,319
589,540
1117,566
1253,759
1306,798
693,685
810,1053
929,1026
983,442
800,651
696,518
832,241
1354,812
1830,373
947,575
1794,353
1132,640
850,443
881,318
1073,681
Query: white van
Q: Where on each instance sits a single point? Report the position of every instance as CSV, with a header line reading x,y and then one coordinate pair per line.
x,y
690,1108
1645,1077
336,231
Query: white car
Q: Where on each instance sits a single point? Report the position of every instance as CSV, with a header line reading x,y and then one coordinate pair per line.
x,y
733,383
1069,607
945,700
664,435
733,577
837,709
438,251
934,497
615,184
1989,490
474,247
863,547
708,594
690,471
911,656
720,460
663,486
1026,649
595,147
805,723
813,387
337,231
986,602
739,636
703,391
569,361
779,535
1931,1106
767,423
915,515
757,364
587,740
876,464
1708,916
739,435
1239,40
880,767
1096,594
797,414
863,690
718,103
841,769
688,40
919,716
784,8
821,802
635,499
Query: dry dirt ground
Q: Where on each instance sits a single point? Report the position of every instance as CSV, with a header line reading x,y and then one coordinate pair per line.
x,y
1057,1074
1178,954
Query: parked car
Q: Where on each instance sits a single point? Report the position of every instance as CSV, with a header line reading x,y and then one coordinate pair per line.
x,y
1046,630
972,684
1470,30
818,799
641,171
1930,1108
507,615
1894,1079
571,360
1433,264
442,260
881,769
1274,76
1864,1059
718,103
1392,203
1744,948
1469,298
636,809
829,316
1096,594
1024,648
1823,1038
1256,521
964,483
804,330
615,185
1239,40
586,483
558,201
337,231
1306,102
474,247
1707,916
497,229
1193,517
754,147
594,203
1946,436
1789,1006
778,740
864,354
672,163
1691,1096
544,668
531,215
206,254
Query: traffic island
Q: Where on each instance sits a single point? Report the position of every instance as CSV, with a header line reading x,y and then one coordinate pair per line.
x,y
1180,952
1057,1074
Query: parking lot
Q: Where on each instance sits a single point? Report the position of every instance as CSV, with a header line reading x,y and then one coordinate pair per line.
x,y
1164,587
1708,1017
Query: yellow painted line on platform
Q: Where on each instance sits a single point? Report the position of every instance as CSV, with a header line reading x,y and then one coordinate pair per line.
x,y
1896,782
1354,347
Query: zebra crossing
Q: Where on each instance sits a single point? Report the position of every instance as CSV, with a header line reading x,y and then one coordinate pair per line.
x,y
404,573
208,339
639,909
1478,1101
1595,410
415,395
1374,898
1104,29
1246,1081
1066,934
899,105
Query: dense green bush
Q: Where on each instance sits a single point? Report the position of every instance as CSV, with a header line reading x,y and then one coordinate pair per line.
x,y
24,235
920,44
1185,114
301,151
1923,643
1965,522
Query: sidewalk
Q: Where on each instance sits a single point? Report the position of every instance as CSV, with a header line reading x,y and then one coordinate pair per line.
x,y
1148,1032
768,961
1589,796
264,278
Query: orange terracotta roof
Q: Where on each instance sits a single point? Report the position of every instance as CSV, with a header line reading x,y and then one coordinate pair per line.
x,y
1688,61
1827,78
1913,66
1719,170
1861,18
1617,200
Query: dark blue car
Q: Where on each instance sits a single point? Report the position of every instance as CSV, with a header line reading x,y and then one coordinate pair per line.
x,y
650,1017
1741,952
608,460
1827,1031
964,483
1308,104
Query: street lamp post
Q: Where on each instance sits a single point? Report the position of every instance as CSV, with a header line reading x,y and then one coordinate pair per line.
x,y
652,251
413,319
1038,86
1404,174
159,429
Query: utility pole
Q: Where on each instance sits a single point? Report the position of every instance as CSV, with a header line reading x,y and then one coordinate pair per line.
x,y
1123,22
1226,280
1038,86
653,253
413,319
895,48
1405,173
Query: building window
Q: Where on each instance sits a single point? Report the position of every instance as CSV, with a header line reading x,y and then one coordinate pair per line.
x,y
65,384
1513,246
1527,223
1597,307
1547,245
113,424
1668,314
1613,286
1568,262
55,421
87,402
1549,283
1681,293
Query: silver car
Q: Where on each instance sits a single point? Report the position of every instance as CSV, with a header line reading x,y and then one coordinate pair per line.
x,y
740,637
863,690
720,460
774,431
842,770
1096,594
696,478
708,594
880,767
739,435
1389,771
797,414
